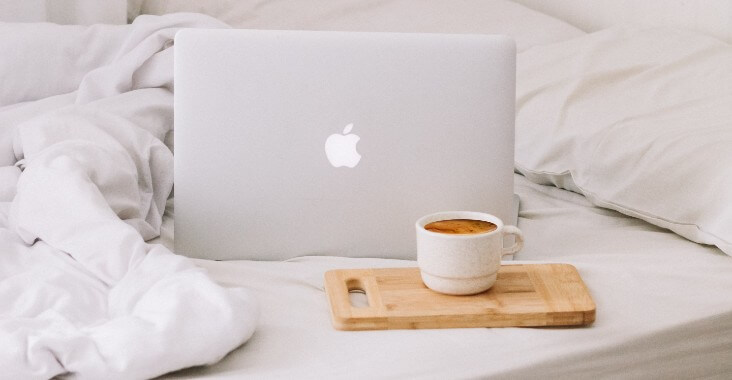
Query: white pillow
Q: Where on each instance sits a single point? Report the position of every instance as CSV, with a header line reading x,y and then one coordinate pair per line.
x,y
526,26
637,120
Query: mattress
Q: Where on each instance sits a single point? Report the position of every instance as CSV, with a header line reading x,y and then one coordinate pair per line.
x,y
664,309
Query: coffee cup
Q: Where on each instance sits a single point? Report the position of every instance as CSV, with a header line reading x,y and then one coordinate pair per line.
x,y
462,254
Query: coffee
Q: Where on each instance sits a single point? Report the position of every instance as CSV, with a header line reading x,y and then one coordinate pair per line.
x,y
460,251
460,226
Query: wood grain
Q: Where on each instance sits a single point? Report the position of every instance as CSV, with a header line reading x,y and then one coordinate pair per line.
x,y
524,295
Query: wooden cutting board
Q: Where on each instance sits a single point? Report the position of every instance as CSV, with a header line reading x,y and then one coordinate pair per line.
x,y
523,295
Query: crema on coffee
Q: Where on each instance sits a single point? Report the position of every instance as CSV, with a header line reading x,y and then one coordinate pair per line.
x,y
461,226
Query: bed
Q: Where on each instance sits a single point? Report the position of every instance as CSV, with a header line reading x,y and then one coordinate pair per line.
x,y
662,311
645,220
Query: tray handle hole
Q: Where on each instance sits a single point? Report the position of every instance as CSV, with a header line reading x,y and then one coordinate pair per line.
x,y
356,294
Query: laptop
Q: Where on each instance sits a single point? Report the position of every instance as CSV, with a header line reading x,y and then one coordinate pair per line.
x,y
293,143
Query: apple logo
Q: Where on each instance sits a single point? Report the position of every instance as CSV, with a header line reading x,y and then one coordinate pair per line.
x,y
341,148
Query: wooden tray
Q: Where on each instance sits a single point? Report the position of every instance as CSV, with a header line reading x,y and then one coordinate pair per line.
x,y
523,295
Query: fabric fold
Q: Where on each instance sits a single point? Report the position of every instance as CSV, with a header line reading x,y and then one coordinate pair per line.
x,y
85,185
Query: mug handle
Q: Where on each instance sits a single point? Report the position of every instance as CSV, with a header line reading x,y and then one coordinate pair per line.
x,y
511,230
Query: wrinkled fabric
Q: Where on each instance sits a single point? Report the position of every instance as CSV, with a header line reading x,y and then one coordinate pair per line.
x,y
84,178
638,120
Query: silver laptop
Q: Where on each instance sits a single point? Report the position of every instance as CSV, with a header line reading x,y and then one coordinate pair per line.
x,y
291,143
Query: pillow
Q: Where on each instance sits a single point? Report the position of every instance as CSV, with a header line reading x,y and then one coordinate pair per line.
x,y
526,26
637,120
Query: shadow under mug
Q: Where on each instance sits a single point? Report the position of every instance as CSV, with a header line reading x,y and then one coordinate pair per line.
x,y
462,264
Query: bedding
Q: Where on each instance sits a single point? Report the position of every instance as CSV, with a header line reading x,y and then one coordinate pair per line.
x,y
664,310
639,121
83,293
527,27
84,179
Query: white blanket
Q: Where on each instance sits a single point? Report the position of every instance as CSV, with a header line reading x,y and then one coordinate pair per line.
x,y
84,176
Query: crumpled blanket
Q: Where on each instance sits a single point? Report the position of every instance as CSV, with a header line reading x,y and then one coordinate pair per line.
x,y
84,177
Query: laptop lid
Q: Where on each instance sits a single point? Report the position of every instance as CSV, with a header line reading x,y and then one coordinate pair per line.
x,y
292,143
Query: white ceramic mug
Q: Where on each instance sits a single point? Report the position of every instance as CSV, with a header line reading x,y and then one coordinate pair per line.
x,y
462,264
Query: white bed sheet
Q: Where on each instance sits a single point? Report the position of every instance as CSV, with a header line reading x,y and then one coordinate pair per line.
x,y
83,180
664,309
526,26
